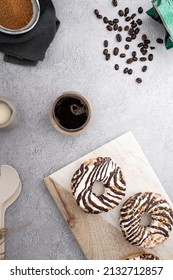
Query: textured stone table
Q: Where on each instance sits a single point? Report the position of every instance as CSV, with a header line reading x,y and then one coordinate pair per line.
x,y
74,61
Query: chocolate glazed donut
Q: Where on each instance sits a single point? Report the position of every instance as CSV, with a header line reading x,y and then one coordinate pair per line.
x,y
161,215
142,257
103,170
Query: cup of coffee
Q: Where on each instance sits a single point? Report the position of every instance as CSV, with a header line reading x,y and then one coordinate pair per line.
x,y
8,119
70,113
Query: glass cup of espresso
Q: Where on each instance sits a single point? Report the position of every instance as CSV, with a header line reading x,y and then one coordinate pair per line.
x,y
70,113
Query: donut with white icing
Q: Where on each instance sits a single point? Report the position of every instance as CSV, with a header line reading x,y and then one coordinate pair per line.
x,y
142,257
161,216
106,171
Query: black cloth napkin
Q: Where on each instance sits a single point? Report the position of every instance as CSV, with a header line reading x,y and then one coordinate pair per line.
x,y
31,47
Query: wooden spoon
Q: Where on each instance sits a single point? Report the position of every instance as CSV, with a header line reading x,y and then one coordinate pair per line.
x,y
10,188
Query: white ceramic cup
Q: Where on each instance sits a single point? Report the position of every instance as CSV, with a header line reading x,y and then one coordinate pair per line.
x,y
8,118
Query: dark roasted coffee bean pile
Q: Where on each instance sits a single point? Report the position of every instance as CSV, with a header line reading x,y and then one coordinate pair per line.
x,y
132,28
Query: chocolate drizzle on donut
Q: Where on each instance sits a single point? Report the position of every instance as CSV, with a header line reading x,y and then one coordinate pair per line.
x,y
161,219
103,170
142,256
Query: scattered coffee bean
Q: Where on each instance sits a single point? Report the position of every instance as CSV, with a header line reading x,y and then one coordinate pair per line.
x,y
120,28
147,41
152,48
137,30
150,57
144,68
140,45
129,60
119,37
126,46
139,80
96,12
116,67
134,25
135,58
121,13
139,21
109,28
145,46
144,37
142,58
128,39
133,36
133,53
131,31
133,16
115,51
126,70
108,56
130,71
111,22
122,55
126,11
132,22
105,51
142,49
105,20
115,26
144,52
116,20
140,10
126,28
159,41
114,3
99,16
127,18
105,43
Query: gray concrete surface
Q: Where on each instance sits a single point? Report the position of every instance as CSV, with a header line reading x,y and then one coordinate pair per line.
x,y
74,61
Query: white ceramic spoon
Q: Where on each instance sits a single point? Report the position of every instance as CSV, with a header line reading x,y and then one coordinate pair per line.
x,y
10,188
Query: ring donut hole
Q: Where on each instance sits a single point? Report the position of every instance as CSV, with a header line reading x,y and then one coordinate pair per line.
x,y
145,220
98,188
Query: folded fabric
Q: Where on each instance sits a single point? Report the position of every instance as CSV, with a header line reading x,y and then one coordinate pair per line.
x,y
31,47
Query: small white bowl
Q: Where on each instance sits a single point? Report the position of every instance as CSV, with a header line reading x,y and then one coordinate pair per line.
x,y
29,26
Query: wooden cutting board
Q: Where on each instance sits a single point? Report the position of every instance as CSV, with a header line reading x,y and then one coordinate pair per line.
x,y
100,236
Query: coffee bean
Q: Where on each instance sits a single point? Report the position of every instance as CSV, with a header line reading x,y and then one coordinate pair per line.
x,y
120,12
115,26
105,43
105,51
145,46
152,48
137,30
105,20
133,16
130,71
116,67
120,28
134,25
119,37
140,10
133,36
109,28
135,58
128,39
159,41
144,37
139,21
116,20
127,18
126,46
110,22
144,68
131,31
142,49
99,16
129,60
115,51
142,58
96,12
133,53
147,42
122,55
126,70
144,52
126,11
150,57
114,3
140,45
139,80
108,56
126,28
132,22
